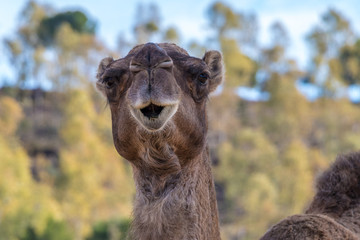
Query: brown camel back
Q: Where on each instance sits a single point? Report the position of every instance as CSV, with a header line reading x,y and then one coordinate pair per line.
x,y
338,189
335,210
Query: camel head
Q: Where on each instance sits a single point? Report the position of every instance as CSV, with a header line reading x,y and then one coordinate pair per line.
x,y
158,89
157,96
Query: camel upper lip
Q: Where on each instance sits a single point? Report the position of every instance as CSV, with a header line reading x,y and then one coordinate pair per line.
x,y
152,110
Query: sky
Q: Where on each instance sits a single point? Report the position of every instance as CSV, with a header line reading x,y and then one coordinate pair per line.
x,y
115,17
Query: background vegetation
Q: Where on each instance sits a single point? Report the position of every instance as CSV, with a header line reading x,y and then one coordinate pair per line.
x,y
62,179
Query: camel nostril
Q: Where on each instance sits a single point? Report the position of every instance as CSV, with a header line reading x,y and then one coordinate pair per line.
x,y
152,111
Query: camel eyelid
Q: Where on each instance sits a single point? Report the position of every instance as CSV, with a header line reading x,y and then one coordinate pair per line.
x,y
135,68
166,64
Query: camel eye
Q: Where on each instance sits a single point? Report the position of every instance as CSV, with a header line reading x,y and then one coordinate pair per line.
x,y
109,82
202,78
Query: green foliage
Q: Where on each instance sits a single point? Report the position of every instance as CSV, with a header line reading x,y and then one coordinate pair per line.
x,y
147,22
222,18
110,230
55,230
230,24
172,35
14,191
78,21
10,116
247,173
350,63
334,55
295,179
285,116
22,47
84,173
22,202
240,69
240,158
46,39
70,191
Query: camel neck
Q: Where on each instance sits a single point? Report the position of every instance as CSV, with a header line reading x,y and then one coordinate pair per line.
x,y
179,205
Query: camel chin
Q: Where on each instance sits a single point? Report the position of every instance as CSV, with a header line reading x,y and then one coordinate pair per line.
x,y
154,117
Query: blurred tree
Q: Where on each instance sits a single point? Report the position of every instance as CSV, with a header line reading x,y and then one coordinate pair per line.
x,y
89,188
326,41
77,20
54,230
196,49
75,58
172,35
294,178
72,40
327,38
350,63
85,191
277,76
273,58
123,46
23,203
287,114
228,27
260,200
24,48
111,230
331,133
242,169
279,35
233,33
147,22
229,24
222,18
14,212
10,116
240,69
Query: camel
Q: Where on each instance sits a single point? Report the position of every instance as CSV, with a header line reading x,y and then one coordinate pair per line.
x,y
157,96
334,212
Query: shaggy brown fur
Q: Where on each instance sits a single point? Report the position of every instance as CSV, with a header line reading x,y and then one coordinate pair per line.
x,y
157,96
335,210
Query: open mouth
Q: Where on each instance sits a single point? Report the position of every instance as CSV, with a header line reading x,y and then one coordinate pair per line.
x,y
154,117
152,111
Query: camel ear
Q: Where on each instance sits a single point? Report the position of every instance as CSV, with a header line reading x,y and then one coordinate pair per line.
x,y
101,69
214,60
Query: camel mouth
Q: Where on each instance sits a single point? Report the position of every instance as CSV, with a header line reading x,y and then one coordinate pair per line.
x,y
152,111
154,117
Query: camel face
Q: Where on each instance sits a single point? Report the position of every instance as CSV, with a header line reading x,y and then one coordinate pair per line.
x,y
154,95
157,88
